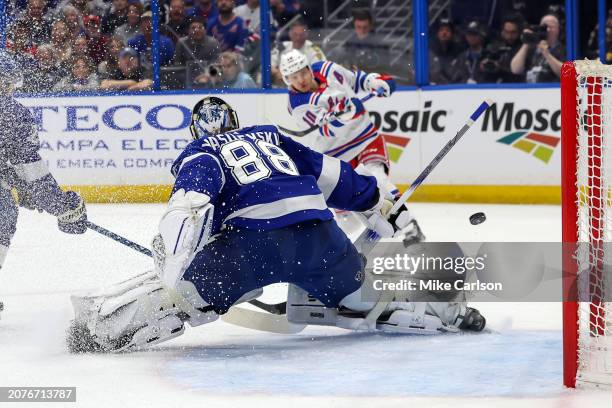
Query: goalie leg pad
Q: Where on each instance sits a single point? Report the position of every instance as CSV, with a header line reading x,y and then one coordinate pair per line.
x,y
134,314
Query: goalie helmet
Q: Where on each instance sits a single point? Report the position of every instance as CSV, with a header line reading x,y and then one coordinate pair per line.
x,y
292,62
212,116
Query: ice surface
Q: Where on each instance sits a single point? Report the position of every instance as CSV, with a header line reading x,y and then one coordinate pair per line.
x,y
219,365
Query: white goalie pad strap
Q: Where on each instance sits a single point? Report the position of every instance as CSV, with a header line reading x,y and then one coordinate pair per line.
x,y
31,171
404,321
185,228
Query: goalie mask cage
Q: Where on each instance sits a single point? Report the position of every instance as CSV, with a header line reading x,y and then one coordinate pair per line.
x,y
586,178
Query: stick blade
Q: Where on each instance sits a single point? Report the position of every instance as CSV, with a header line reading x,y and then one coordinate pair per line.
x,y
261,321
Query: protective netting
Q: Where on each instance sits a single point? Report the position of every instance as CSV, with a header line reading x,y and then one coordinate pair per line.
x,y
594,222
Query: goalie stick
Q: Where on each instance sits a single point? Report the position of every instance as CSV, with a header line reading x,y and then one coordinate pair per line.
x,y
302,133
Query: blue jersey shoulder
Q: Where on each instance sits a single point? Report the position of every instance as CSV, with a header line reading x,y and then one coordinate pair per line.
x,y
14,112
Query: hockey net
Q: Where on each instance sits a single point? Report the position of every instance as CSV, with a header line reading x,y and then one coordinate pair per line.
x,y
586,103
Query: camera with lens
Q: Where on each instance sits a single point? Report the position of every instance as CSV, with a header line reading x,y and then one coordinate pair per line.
x,y
215,70
537,34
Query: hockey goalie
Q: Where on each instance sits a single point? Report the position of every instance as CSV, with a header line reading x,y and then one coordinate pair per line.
x,y
249,208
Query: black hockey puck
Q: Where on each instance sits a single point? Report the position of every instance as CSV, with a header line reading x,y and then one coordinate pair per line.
x,y
477,218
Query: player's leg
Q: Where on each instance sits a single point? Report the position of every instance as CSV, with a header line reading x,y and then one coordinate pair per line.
x,y
399,314
8,222
239,261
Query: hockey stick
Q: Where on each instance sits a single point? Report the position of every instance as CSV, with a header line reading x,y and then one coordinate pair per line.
x,y
119,238
368,238
302,133
278,308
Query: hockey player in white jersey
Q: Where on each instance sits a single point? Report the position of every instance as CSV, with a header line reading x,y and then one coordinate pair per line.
x,y
325,94
249,208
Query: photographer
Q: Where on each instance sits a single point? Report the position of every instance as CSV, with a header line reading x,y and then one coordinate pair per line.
x,y
227,73
540,56
498,55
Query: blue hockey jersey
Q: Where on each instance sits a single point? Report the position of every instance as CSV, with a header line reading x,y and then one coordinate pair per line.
x,y
20,163
258,178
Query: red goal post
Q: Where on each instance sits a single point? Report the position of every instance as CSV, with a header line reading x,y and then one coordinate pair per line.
x,y
586,180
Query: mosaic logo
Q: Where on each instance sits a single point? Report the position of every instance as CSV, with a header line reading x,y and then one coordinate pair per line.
x,y
395,146
539,146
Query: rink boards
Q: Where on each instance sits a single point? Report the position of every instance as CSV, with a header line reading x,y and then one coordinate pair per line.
x,y
119,148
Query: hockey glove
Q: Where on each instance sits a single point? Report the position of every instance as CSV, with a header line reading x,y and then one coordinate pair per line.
x,y
348,109
74,220
375,82
384,223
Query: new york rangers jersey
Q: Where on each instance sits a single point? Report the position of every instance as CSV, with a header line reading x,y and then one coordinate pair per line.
x,y
341,139
258,178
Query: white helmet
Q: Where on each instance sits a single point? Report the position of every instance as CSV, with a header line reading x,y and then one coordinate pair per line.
x,y
291,62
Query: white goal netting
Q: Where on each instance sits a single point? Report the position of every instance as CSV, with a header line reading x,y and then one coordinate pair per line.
x,y
594,222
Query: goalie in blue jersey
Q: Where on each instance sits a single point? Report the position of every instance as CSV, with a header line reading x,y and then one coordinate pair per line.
x,y
249,208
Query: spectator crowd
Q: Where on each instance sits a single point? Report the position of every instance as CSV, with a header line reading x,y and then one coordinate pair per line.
x,y
517,52
86,45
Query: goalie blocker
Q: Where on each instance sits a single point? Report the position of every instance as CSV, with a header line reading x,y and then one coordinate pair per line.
x,y
222,239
